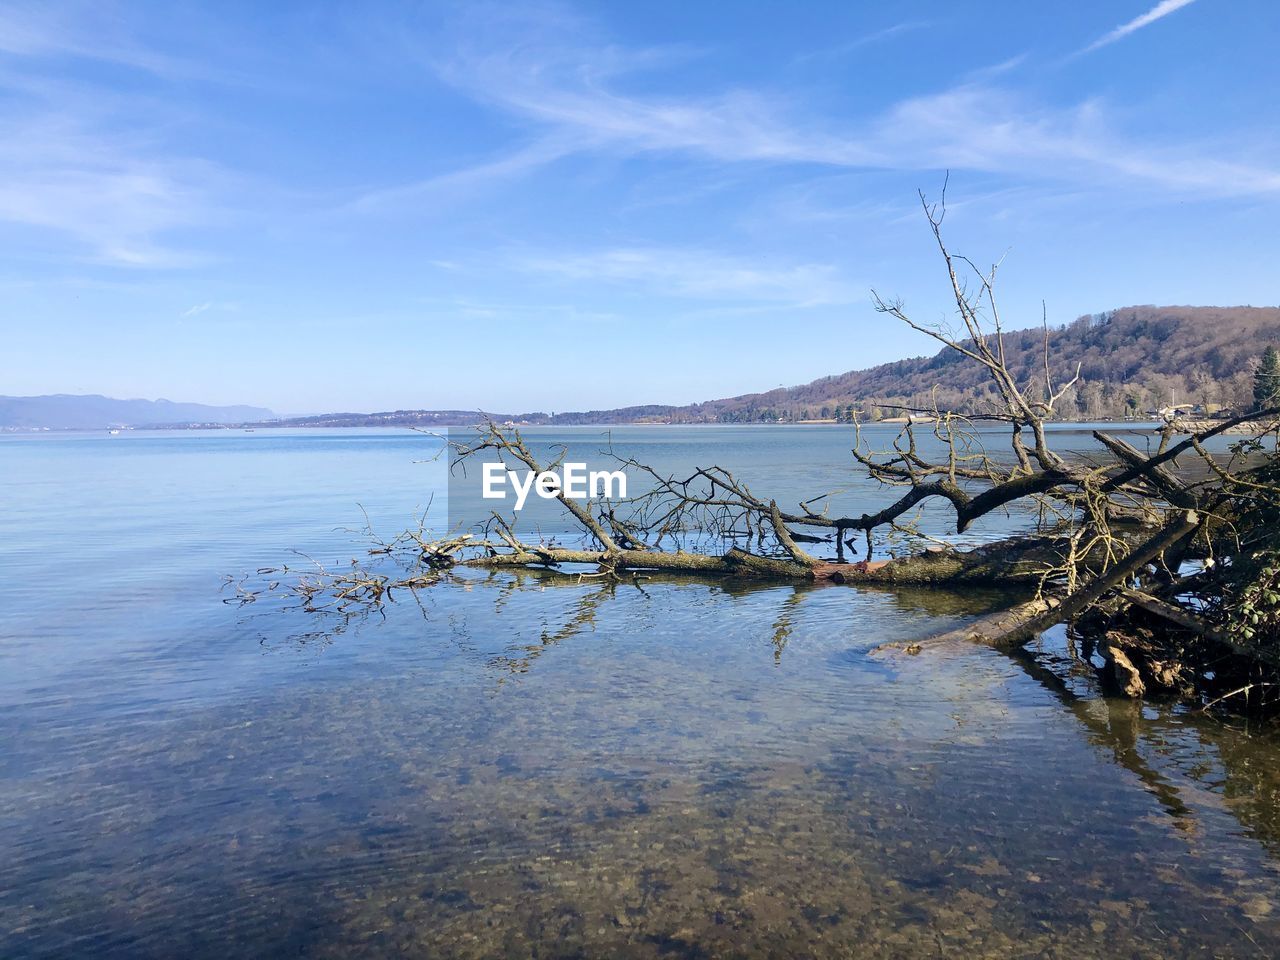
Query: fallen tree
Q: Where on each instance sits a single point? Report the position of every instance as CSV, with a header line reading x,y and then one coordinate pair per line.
x,y
1120,535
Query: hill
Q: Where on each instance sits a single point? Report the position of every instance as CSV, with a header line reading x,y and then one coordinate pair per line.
x,y
1135,358
64,411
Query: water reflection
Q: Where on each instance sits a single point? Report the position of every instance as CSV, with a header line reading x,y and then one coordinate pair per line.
x,y
679,768
1186,761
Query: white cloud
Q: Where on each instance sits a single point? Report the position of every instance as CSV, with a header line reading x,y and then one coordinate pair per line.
x,y
987,129
573,91
452,185
1159,11
84,162
211,306
580,97
93,31
104,192
695,273
868,39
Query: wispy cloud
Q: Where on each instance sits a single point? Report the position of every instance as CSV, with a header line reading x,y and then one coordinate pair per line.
x,y
547,67
456,184
866,40
87,163
696,273
1159,11
572,91
102,191
996,69
987,129
583,98
210,306
93,31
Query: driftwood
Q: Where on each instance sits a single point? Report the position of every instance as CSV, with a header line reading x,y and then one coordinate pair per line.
x,y
1087,547
1006,629
999,624
734,562
1176,530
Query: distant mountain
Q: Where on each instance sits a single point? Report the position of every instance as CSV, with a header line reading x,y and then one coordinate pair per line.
x,y
64,411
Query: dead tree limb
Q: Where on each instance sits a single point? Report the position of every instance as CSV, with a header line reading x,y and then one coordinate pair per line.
x,y
1086,545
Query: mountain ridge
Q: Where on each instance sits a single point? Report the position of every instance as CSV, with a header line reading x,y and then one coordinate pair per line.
x,y
93,411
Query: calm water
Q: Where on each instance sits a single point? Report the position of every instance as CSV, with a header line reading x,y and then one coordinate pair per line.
x,y
522,765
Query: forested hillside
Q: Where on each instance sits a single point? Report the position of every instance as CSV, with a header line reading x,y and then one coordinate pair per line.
x,y
1132,359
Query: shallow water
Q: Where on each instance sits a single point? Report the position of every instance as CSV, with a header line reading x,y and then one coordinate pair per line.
x,y
526,765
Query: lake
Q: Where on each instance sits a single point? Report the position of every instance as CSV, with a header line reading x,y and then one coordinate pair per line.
x,y
513,764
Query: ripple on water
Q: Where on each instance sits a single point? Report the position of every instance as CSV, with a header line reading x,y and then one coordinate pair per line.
x,y
689,771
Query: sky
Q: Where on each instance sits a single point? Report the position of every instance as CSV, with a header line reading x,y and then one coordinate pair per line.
x,y
556,206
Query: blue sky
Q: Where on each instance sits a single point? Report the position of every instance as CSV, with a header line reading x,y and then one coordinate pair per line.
x,y
556,206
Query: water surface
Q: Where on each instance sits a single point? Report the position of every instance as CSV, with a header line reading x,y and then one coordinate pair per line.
x,y
529,765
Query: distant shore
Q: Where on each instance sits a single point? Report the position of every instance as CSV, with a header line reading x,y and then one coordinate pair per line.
x,y
1185,426
1182,426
